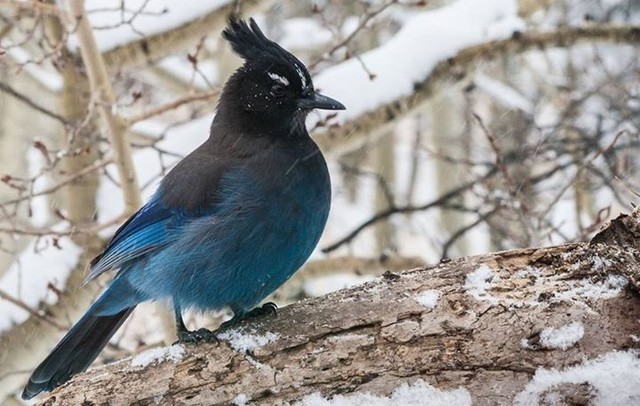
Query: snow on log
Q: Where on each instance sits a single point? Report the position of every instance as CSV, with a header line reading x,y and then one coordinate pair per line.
x,y
554,325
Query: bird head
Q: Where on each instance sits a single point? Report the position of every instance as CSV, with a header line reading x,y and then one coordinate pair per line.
x,y
272,85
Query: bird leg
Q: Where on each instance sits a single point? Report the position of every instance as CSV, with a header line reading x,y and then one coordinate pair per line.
x,y
202,335
266,309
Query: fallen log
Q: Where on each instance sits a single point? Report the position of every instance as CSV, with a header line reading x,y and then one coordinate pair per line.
x,y
555,325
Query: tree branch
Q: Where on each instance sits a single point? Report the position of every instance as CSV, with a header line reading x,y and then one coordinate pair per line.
x,y
355,133
33,5
405,209
101,89
6,88
188,98
155,47
475,324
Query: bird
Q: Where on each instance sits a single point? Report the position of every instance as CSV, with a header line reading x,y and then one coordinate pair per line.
x,y
228,224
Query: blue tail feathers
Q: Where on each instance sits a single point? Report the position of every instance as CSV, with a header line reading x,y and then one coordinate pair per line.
x,y
76,351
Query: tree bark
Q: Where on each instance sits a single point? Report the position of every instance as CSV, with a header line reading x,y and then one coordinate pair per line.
x,y
484,336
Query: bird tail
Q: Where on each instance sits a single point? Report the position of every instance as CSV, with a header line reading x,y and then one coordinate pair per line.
x,y
76,351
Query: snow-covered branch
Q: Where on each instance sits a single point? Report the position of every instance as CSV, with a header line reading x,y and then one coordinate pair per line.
x,y
365,120
170,42
513,327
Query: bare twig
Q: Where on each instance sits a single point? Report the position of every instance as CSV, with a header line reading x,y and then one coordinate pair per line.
x,y
37,6
404,209
85,171
459,233
5,296
364,20
189,98
4,87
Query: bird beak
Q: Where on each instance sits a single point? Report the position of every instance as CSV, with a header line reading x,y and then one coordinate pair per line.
x,y
319,101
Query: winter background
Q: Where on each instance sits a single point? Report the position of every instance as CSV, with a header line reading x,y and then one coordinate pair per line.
x,y
454,142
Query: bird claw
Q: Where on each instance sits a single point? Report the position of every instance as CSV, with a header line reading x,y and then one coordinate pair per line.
x,y
267,309
201,335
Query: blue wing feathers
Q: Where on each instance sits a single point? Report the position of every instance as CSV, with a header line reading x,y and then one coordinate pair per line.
x,y
145,231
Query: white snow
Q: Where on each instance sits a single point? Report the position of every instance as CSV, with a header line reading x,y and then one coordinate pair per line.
x,y
241,400
417,394
585,289
614,377
503,93
39,204
425,40
49,78
179,67
172,353
243,341
28,278
428,298
146,17
600,263
477,283
304,33
563,337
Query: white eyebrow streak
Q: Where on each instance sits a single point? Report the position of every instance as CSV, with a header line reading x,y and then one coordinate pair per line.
x,y
303,79
279,78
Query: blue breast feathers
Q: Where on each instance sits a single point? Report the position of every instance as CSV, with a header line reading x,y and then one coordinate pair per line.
x,y
260,233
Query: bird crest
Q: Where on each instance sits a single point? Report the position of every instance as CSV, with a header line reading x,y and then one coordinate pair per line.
x,y
250,43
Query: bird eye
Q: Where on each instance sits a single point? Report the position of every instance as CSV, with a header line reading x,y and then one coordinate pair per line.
x,y
277,90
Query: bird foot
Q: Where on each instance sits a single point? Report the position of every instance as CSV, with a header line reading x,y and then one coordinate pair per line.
x,y
266,309
202,335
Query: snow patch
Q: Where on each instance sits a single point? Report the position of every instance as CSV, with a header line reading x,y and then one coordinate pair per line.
x,y
504,94
478,282
147,17
242,341
39,204
304,33
454,27
49,78
606,289
180,67
173,353
417,394
28,278
614,377
563,337
428,298
241,400
600,263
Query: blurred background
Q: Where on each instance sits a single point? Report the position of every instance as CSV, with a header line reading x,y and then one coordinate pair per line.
x,y
471,126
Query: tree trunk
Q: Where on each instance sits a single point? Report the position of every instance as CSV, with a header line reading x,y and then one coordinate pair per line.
x,y
480,329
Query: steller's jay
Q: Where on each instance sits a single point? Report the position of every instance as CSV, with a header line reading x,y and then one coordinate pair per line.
x,y
229,223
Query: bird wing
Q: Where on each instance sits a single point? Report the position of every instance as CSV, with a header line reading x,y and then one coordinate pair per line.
x,y
147,230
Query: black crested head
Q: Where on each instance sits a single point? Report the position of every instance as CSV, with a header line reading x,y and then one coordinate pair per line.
x,y
273,88
250,43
